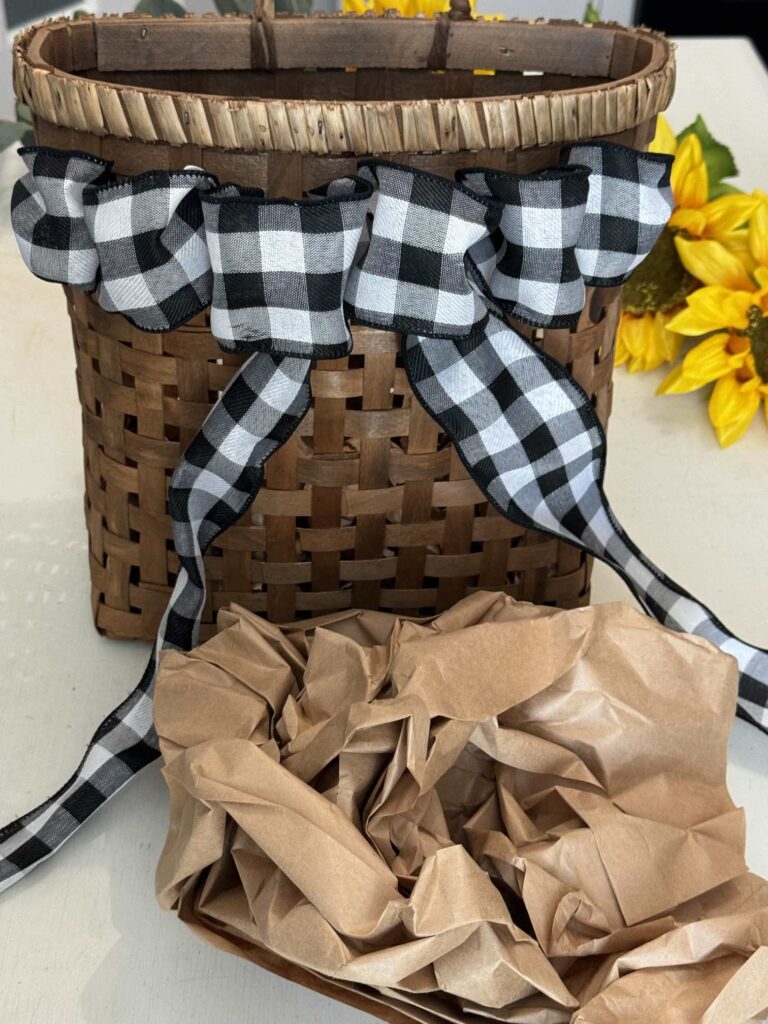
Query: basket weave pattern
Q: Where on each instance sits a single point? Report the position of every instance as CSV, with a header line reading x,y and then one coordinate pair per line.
x,y
367,505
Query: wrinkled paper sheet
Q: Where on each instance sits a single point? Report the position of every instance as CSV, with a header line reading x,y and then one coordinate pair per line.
x,y
505,813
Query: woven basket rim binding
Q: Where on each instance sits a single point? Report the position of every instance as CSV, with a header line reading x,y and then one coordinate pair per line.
x,y
49,59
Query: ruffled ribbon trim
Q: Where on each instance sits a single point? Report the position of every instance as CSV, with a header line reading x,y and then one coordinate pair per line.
x,y
392,247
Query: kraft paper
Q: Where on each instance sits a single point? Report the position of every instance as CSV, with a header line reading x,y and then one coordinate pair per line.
x,y
505,813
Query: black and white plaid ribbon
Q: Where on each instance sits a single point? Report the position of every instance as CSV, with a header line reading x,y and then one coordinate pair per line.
x,y
441,262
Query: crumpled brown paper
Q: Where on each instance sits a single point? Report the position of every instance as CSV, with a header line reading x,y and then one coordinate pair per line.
x,y
507,813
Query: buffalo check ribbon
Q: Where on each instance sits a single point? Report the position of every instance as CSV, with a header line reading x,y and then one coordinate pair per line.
x,y
442,262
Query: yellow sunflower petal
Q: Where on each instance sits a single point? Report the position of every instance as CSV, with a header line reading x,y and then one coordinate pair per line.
x,y
692,221
676,383
732,407
737,242
737,306
690,182
711,309
758,234
673,383
404,7
645,352
761,297
664,140
430,7
728,213
644,343
633,341
708,361
669,341
711,263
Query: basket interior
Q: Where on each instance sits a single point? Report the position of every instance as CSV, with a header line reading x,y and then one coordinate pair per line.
x,y
350,58
352,84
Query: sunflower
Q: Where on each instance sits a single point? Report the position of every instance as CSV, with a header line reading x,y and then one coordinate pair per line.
x,y
407,8
730,314
658,288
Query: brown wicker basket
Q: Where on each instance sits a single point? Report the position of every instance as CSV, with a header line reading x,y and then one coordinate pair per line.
x,y
367,505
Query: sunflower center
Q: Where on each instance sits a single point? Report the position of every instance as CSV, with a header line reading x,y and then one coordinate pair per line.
x,y
757,331
661,282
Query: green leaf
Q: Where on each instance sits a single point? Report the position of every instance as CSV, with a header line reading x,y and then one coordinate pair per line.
x,y
591,14
717,157
157,8
12,132
723,188
293,6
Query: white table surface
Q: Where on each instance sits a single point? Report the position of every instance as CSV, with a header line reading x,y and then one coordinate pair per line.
x,y
82,940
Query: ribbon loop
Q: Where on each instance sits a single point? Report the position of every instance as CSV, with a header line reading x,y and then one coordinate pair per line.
x,y
280,267
412,274
629,202
530,269
47,215
400,248
150,241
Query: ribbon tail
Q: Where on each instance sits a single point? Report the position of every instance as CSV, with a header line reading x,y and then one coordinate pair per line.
x,y
669,603
211,488
532,442
122,745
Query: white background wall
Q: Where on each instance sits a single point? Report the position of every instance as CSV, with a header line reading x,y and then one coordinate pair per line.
x,y
611,10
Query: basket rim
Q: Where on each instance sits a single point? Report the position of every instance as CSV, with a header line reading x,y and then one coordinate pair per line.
x,y
335,126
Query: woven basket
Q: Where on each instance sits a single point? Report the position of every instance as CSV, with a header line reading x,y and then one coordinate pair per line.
x,y
367,505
